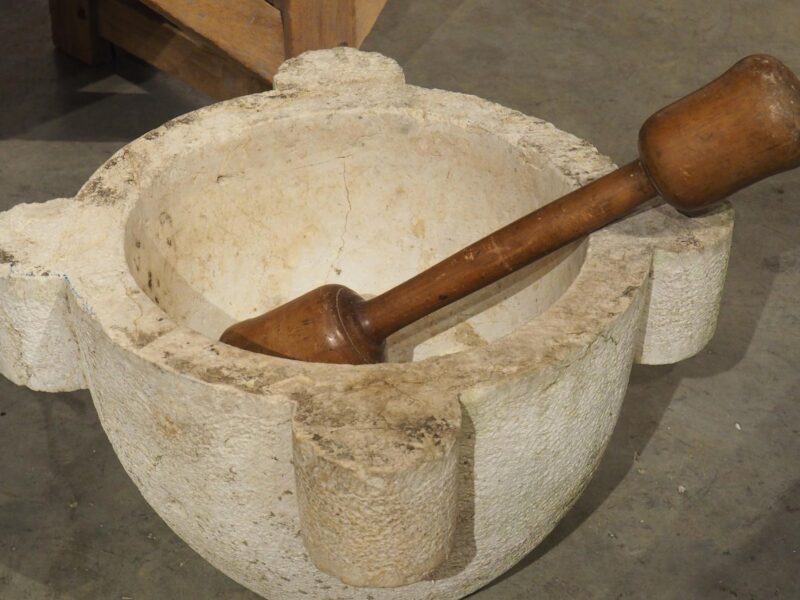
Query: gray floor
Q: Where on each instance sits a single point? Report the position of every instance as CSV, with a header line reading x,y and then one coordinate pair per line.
x,y
724,425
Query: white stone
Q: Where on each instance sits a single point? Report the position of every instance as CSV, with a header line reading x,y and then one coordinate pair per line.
x,y
437,473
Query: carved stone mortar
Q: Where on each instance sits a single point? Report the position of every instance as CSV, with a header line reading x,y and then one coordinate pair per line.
x,y
436,472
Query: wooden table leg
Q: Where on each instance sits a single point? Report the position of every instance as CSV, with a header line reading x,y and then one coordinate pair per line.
x,y
74,26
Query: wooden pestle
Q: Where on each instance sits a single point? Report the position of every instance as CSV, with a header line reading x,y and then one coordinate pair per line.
x,y
740,128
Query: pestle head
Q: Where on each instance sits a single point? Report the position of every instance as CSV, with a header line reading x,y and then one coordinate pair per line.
x,y
740,128
322,325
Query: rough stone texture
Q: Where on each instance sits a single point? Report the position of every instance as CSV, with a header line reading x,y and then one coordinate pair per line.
x,y
315,71
37,346
528,396
688,276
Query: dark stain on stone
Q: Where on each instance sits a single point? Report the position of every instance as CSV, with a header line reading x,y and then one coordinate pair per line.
x,y
114,160
169,428
184,120
143,338
98,193
430,428
140,339
688,239
7,258
629,291
229,375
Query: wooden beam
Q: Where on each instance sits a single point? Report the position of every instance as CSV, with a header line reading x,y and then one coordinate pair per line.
x,y
367,13
249,31
141,32
316,24
224,49
74,27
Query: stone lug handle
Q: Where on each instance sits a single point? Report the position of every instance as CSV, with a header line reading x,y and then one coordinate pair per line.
x,y
738,129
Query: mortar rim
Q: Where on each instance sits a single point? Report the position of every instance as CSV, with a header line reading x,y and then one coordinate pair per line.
x,y
124,173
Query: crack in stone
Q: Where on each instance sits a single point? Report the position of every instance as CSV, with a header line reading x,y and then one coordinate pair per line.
x,y
346,222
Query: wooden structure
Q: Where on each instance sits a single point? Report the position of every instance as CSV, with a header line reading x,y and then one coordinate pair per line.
x,y
224,49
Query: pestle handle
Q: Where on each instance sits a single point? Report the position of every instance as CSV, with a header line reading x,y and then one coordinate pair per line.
x,y
508,249
738,129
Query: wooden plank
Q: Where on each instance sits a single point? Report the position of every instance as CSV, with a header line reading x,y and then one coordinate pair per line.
x,y
249,31
367,13
141,32
316,24
74,28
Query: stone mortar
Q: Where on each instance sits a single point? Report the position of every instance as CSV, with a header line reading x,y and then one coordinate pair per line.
x,y
435,472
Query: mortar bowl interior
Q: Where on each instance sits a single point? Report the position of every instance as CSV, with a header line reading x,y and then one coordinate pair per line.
x,y
234,227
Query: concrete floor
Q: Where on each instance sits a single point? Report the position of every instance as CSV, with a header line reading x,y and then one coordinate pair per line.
x,y
724,425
